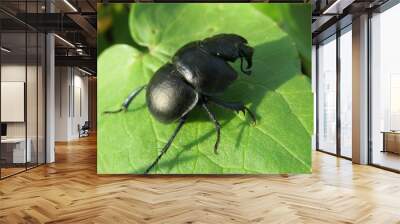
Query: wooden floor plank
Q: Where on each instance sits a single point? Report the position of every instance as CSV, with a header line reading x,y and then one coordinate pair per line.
x,y
70,191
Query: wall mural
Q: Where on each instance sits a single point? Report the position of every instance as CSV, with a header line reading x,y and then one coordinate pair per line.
x,y
204,88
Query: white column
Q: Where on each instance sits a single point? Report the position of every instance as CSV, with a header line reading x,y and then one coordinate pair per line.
x,y
50,92
360,90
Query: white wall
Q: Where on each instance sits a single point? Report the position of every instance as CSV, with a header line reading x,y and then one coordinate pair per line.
x,y
16,73
10,73
80,103
62,81
71,102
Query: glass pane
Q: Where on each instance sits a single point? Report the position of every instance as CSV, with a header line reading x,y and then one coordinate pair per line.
x,y
31,100
41,99
314,86
32,87
327,96
13,86
22,88
385,93
346,93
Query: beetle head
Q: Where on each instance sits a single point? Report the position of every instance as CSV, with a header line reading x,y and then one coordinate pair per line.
x,y
230,47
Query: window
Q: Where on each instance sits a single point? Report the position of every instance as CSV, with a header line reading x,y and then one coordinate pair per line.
x,y
346,92
327,95
385,89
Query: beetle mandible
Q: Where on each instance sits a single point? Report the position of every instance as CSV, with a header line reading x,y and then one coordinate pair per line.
x,y
196,74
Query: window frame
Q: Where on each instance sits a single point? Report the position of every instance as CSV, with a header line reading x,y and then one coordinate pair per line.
x,y
338,33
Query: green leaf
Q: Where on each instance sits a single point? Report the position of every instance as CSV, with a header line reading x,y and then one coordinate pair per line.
x,y
277,92
295,19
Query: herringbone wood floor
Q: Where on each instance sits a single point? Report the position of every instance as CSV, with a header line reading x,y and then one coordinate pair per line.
x,y
70,191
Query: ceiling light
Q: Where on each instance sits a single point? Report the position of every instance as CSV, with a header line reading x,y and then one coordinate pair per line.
x,y
80,51
84,71
337,7
5,50
70,5
64,40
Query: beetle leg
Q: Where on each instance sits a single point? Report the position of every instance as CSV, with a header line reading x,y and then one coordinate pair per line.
x,y
238,107
216,123
127,101
114,111
166,146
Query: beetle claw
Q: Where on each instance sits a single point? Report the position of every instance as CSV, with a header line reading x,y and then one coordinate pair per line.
x,y
252,116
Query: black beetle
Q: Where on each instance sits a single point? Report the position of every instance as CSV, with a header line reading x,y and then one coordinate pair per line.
x,y
198,71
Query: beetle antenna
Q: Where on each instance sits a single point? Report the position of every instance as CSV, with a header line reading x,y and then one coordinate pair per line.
x,y
166,146
127,101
